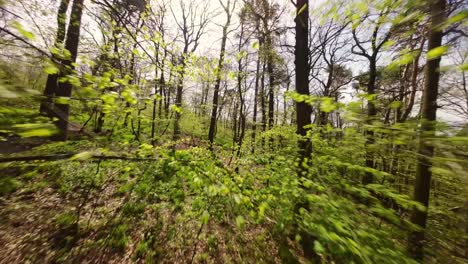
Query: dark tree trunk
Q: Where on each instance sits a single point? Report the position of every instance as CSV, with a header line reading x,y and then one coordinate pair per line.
x,y
214,111
322,119
178,104
52,79
132,81
179,94
156,82
179,91
422,182
263,102
240,78
271,75
371,113
65,88
167,96
303,110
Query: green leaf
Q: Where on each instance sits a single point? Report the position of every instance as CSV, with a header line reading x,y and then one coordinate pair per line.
x,y
464,67
27,34
462,15
83,156
50,68
436,52
176,109
327,105
62,100
395,105
40,132
256,45
240,221
205,217
241,55
303,8
318,247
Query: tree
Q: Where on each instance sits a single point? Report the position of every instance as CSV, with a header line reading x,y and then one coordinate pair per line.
x,y
192,25
422,184
303,109
214,112
64,90
377,40
52,79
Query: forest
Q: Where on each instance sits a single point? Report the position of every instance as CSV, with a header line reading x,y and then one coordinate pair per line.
x,y
233,131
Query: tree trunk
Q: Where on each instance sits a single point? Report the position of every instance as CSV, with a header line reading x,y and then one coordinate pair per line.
x,y
65,88
179,91
52,79
271,75
214,111
240,78
153,117
427,130
414,82
263,102
371,112
255,106
303,110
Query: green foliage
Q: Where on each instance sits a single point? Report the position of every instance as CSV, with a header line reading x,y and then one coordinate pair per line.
x,y
65,219
119,239
8,185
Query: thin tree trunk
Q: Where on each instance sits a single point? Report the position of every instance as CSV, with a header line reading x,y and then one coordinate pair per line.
x,y
414,82
214,111
178,99
240,78
271,75
153,117
255,106
262,102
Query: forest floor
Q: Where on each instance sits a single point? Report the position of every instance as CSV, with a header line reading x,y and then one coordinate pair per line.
x,y
38,223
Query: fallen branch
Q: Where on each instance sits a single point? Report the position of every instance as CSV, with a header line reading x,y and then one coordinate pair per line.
x,y
70,155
